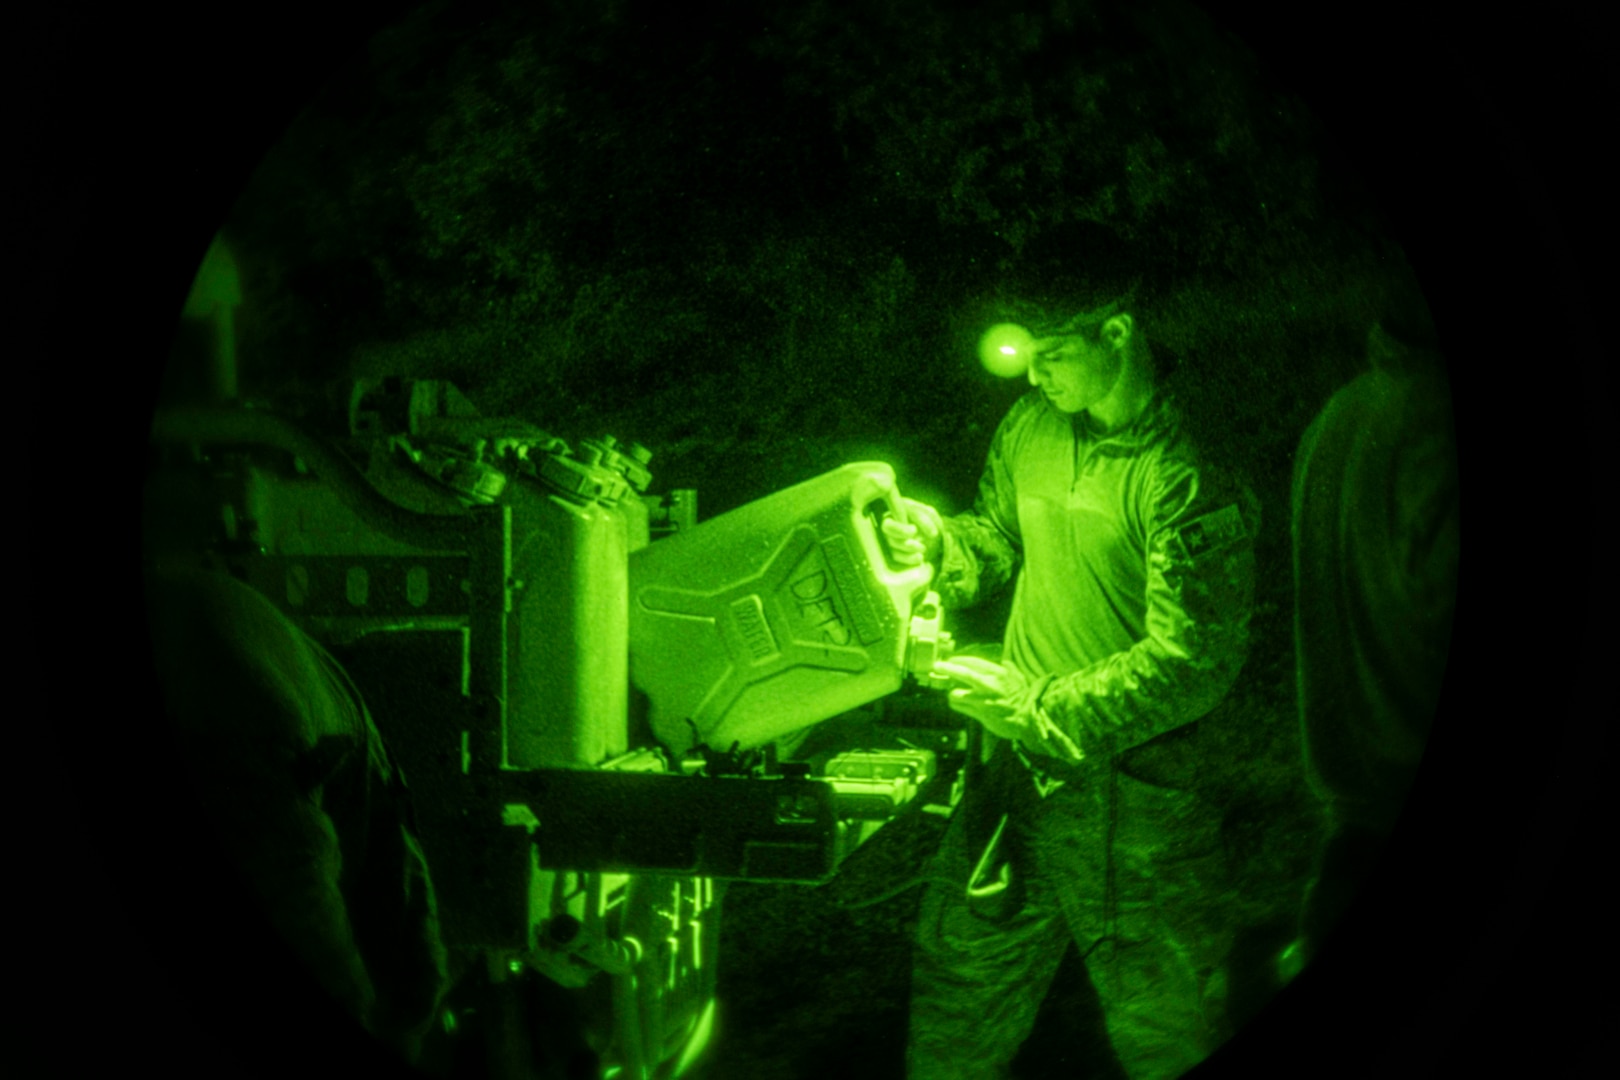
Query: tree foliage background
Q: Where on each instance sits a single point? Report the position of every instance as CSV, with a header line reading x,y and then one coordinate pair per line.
x,y
762,240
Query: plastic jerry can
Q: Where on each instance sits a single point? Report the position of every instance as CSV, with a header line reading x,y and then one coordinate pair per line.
x,y
775,616
567,694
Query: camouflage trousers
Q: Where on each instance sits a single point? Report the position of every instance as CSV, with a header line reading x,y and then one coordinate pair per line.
x,y
1132,873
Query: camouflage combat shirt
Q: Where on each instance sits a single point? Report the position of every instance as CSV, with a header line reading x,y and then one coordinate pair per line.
x,y
1131,611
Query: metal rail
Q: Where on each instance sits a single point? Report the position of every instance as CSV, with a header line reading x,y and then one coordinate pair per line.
x,y
226,426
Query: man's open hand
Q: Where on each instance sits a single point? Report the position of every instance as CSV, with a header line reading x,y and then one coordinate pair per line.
x,y
991,694
1007,704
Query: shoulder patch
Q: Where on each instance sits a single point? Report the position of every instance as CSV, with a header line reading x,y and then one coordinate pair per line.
x,y
1211,532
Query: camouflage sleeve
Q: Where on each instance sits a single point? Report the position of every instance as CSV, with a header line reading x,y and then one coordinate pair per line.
x,y
982,548
1200,595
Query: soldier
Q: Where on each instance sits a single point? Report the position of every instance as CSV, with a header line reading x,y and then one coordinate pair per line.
x,y
1375,567
1133,557
295,888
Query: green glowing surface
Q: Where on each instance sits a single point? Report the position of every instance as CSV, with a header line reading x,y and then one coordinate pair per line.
x,y
699,1040
498,227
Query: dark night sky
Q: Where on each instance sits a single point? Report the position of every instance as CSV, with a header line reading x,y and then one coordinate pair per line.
x,y
1476,139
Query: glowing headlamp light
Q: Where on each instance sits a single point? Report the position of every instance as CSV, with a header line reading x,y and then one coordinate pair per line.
x,y
1005,350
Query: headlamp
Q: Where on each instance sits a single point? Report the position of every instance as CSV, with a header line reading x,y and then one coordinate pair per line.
x,y
1005,350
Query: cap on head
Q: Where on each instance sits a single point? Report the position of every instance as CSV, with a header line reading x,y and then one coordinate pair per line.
x,y
1007,348
1087,323
1070,273
1069,280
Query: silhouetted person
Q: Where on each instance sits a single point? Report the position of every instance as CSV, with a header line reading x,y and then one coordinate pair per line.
x,y
288,882
295,786
1375,517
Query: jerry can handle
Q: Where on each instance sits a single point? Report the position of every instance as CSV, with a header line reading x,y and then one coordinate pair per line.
x,y
877,497
876,509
